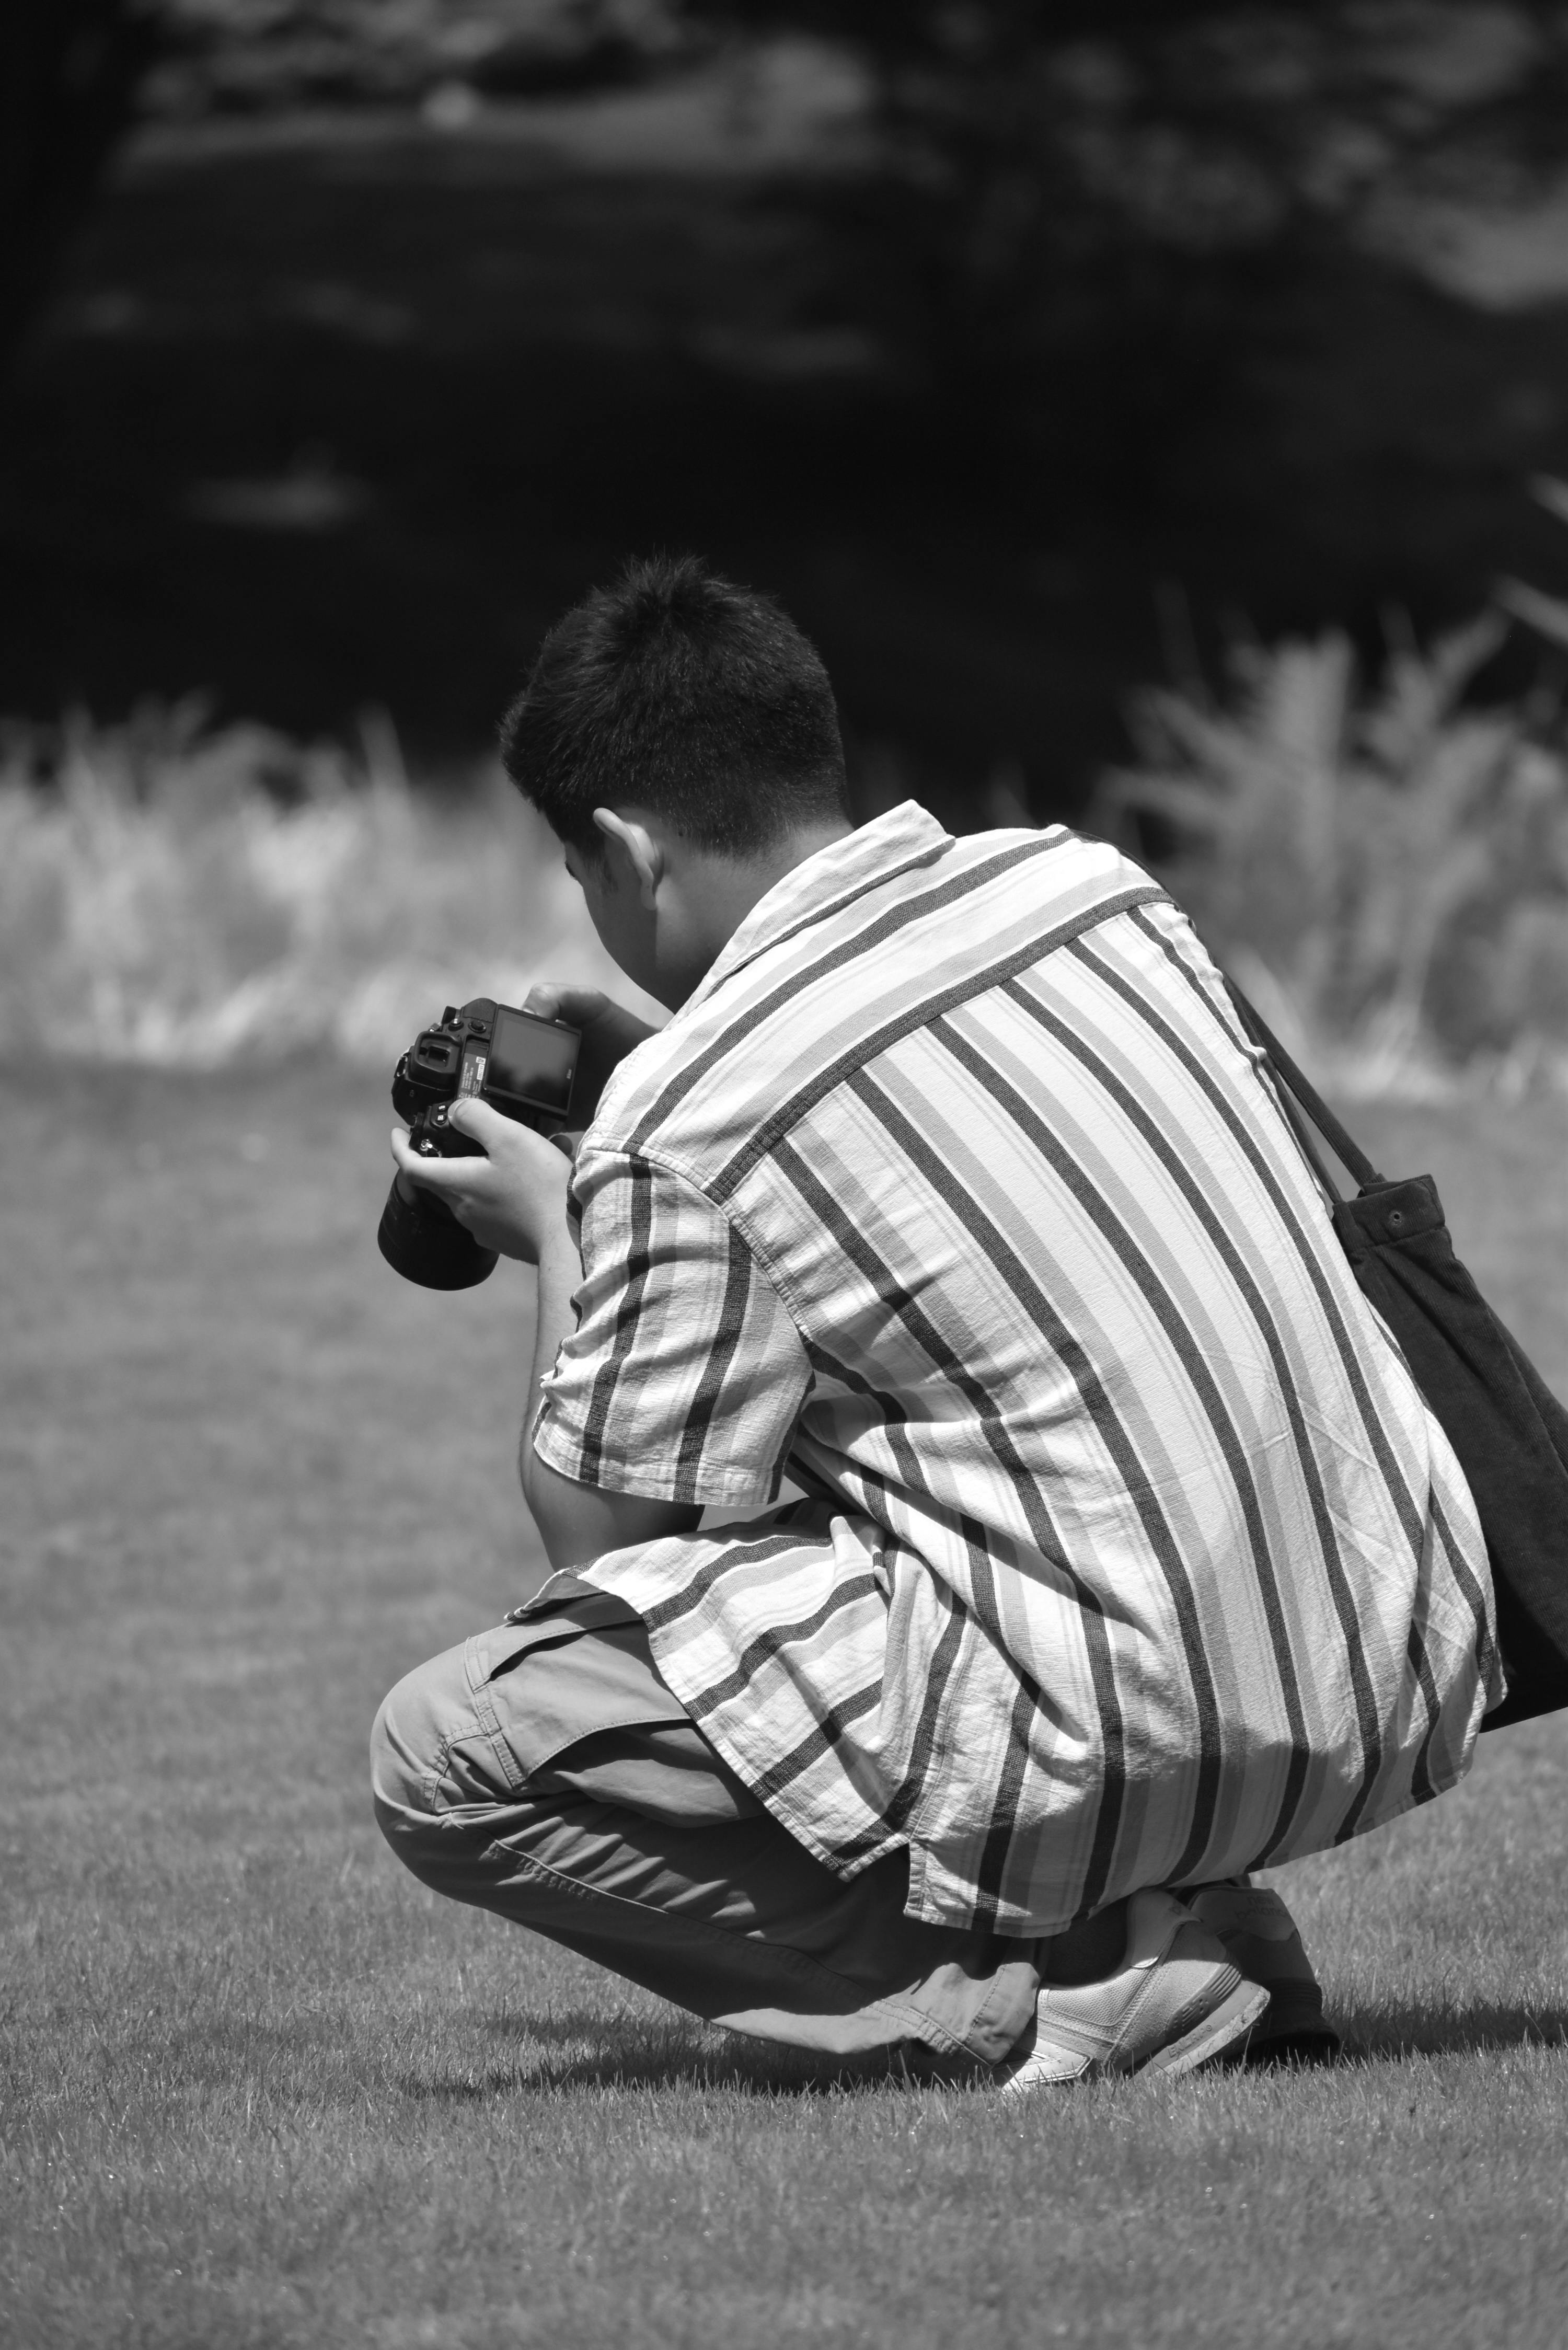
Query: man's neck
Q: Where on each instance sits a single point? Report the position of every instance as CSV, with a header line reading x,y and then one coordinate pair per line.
x,y
732,886
719,892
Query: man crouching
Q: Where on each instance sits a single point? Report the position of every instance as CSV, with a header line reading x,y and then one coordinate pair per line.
x,y
1129,1559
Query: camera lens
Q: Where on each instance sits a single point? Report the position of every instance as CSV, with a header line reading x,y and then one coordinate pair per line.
x,y
423,1240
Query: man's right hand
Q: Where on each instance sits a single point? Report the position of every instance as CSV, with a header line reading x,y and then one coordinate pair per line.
x,y
609,1033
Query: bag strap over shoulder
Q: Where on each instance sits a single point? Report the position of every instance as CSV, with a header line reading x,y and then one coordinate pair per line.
x,y
1507,1430
1298,1090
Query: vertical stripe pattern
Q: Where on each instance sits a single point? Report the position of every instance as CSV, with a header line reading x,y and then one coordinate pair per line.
x,y
1130,1554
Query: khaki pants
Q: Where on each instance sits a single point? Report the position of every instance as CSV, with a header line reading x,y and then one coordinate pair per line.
x,y
544,1771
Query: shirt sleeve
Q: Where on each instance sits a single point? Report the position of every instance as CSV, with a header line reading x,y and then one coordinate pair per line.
x,y
686,1374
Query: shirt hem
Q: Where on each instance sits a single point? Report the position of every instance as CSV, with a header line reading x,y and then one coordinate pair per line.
x,y
638,1481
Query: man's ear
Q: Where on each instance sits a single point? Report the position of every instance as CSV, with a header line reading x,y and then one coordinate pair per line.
x,y
643,854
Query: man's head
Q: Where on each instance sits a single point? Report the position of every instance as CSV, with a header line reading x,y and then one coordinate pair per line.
x,y
681,736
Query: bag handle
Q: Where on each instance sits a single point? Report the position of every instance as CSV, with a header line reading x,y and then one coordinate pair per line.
x,y
1294,1083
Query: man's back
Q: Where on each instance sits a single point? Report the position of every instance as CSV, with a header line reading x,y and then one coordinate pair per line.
x,y
955,1190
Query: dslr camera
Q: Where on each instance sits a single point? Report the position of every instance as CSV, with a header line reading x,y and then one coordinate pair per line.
x,y
519,1062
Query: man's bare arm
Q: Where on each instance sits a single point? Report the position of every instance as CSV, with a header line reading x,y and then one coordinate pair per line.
x,y
514,1199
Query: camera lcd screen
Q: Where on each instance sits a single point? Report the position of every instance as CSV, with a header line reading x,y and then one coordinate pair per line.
x,y
532,1059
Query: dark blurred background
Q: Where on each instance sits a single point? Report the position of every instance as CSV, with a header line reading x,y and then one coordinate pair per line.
x,y
1030,351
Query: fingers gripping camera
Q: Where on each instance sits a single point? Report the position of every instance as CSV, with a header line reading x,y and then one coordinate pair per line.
x,y
523,1065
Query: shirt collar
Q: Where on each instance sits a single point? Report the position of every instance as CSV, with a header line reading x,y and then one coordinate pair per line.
x,y
824,882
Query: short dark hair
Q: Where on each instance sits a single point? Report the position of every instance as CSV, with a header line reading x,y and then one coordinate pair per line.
x,y
675,690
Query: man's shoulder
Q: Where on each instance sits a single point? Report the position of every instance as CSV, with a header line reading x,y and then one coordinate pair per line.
x,y
666,1103
822,996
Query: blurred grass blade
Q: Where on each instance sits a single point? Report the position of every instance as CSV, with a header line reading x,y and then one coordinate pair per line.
x,y
1547,614
184,897
1387,863
1552,493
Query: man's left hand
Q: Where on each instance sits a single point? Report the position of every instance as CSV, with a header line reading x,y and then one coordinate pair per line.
x,y
513,1199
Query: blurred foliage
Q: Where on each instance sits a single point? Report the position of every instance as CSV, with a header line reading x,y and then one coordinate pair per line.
x,y
1384,866
1548,615
1048,169
264,55
74,74
1052,158
185,897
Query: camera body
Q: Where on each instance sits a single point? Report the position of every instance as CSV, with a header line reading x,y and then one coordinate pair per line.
x,y
518,1062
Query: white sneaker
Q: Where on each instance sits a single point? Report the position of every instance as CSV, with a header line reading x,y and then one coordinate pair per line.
x,y
1175,2003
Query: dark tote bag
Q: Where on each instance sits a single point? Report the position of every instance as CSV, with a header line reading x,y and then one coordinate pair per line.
x,y
1508,1429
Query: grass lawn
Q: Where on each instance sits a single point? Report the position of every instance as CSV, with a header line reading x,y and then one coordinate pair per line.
x,y
260,2088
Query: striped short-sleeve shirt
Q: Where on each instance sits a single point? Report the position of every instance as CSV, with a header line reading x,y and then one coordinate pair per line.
x,y
1130,1554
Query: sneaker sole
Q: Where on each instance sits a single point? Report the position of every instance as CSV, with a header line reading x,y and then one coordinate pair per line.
x,y
1216,2035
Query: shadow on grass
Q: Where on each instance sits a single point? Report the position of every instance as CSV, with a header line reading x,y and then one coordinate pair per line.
x,y
586,2054
1397,2028
590,2056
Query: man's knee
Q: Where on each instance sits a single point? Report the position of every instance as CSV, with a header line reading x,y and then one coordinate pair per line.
x,y
411,1741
